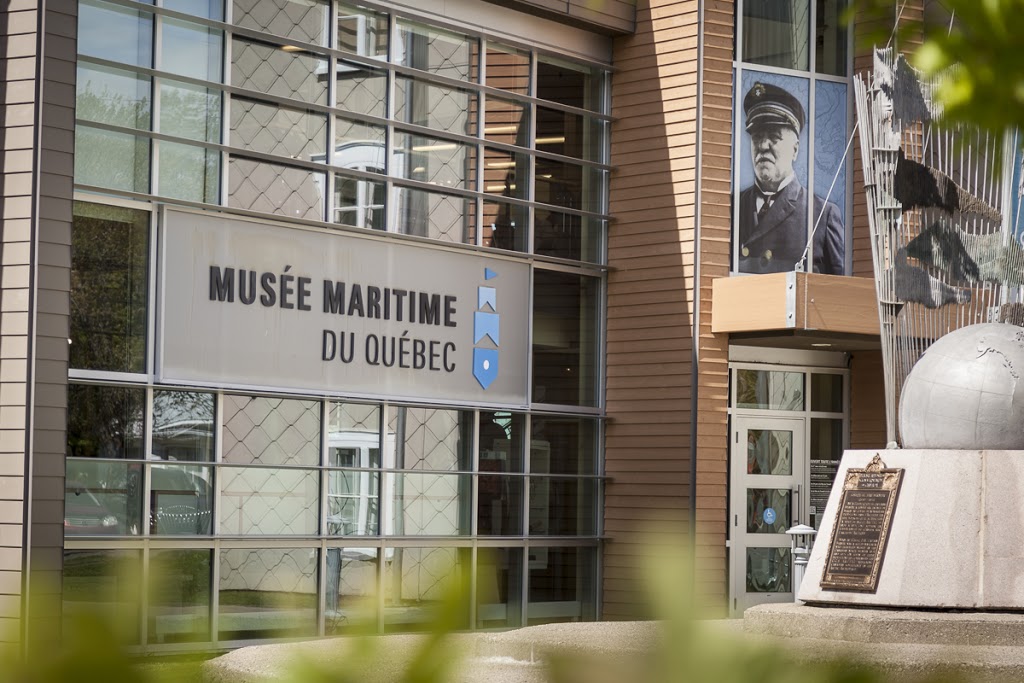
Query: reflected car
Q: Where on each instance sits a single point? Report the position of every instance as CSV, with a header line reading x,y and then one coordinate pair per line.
x,y
84,514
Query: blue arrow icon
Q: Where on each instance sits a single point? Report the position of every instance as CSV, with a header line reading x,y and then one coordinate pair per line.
x,y
486,325
489,274
487,296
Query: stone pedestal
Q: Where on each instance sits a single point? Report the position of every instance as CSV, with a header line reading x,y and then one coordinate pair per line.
x,y
957,535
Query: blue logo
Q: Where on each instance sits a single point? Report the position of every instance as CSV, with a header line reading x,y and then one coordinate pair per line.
x,y
769,516
486,329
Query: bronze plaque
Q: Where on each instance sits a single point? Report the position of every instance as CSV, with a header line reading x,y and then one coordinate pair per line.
x,y
861,531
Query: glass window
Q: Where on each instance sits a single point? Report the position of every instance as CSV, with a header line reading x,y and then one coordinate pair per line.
x,y
830,172
435,106
506,173
446,217
110,252
192,50
768,570
769,390
826,452
507,121
501,441
563,585
190,111
267,593
759,502
306,21
417,581
211,9
361,90
571,135
276,189
436,51
102,498
499,505
190,173
117,161
568,236
562,507
272,129
506,226
499,587
181,500
431,438
98,21
179,596
353,502
268,502
565,337
106,422
359,145
430,504
769,451
105,584
776,33
351,583
826,393
563,445
508,68
362,31
433,160
359,203
574,85
832,41
270,431
268,69
353,435
570,185
114,96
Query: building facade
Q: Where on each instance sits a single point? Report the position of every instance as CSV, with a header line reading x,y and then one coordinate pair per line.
x,y
310,306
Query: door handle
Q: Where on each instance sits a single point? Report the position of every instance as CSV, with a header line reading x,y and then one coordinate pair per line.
x,y
796,490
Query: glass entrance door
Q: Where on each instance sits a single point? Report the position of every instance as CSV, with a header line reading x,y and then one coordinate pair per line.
x,y
769,495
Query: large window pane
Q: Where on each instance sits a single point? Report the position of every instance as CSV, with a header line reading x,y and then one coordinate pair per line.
x,y
181,500
182,426
568,236
359,145
501,441
306,21
575,85
570,185
109,256
563,445
179,596
192,50
286,73
431,439
439,216
499,505
106,422
434,106
416,580
565,337
102,498
106,584
436,51
572,135
118,161
776,33
267,593
562,507
430,504
499,588
99,21
351,584
190,173
831,104
210,9
831,53
769,390
353,503
276,189
506,173
271,431
190,111
507,121
826,393
114,96
506,226
563,585
508,68
361,90
353,435
433,160
359,203
826,452
362,31
268,502
272,129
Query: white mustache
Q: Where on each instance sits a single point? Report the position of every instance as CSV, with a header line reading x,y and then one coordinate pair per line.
x,y
764,157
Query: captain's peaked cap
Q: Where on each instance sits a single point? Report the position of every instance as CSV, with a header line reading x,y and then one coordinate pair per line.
x,y
769,105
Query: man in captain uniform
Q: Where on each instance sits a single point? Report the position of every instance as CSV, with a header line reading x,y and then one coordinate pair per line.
x,y
773,211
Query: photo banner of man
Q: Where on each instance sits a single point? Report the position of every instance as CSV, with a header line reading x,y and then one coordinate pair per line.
x,y
773,212
831,112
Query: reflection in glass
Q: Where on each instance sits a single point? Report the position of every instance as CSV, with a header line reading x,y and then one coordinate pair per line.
x,y
569,236
113,96
359,203
105,583
416,581
179,596
769,390
276,189
353,435
362,31
508,68
117,161
769,451
271,431
445,217
434,106
565,334
109,256
499,587
182,426
307,21
358,145
563,585
181,499
436,51
267,593
285,73
832,43
272,129
351,584
501,441
570,134
563,445
190,173
211,9
562,507
102,498
353,503
826,452
570,185
499,505
575,85
192,50
190,111
506,226
98,21
826,393
432,438
768,570
105,422
768,511
430,504
507,121
433,160
361,90
776,33
272,502
506,173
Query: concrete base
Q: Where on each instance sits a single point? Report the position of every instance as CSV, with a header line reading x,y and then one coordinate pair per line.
x,y
956,533
979,647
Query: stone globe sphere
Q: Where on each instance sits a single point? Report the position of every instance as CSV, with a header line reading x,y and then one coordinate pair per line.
x,y
967,391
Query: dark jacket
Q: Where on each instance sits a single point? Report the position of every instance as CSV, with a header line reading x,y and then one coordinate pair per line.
x,y
776,242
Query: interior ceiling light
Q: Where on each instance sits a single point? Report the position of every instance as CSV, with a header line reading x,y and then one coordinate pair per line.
x,y
500,164
434,147
821,344
551,141
292,48
494,130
